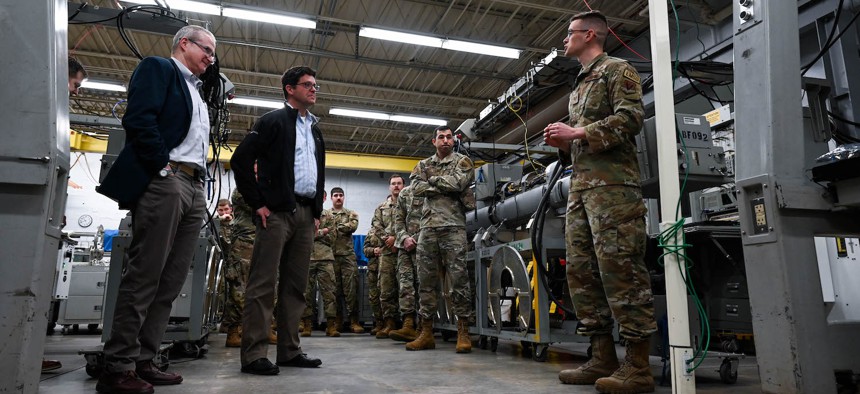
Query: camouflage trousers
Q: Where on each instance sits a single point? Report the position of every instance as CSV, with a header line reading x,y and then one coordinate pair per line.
x,y
320,276
388,285
408,281
373,287
236,270
345,273
606,273
443,249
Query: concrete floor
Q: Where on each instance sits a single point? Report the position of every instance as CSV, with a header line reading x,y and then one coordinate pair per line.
x,y
364,364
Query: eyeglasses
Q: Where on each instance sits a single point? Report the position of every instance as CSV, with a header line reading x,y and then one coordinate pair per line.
x,y
570,32
208,51
309,85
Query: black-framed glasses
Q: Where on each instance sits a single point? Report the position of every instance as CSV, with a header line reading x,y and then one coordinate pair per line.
x,y
309,85
570,32
208,51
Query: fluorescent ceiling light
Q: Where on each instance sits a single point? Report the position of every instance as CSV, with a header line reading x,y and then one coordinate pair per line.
x,y
390,35
454,45
185,5
277,19
355,113
418,119
483,49
252,102
109,86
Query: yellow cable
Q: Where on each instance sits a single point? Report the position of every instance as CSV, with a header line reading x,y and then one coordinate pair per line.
x,y
525,130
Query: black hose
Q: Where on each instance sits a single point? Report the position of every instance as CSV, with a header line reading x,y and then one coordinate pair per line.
x,y
536,233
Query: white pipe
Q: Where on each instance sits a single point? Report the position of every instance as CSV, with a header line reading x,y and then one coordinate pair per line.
x,y
667,159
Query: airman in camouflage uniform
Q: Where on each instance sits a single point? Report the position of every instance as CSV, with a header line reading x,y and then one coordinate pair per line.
x,y
407,223
345,267
239,235
605,226
383,227
441,180
321,275
371,242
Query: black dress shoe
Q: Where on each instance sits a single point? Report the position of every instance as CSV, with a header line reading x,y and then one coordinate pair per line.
x,y
301,361
261,366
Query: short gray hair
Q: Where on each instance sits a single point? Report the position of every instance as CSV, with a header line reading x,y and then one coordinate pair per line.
x,y
191,32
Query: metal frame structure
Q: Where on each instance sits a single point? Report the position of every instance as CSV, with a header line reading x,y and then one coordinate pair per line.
x,y
781,210
34,167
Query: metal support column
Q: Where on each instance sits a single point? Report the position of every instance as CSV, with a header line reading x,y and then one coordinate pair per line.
x,y
664,105
780,210
34,167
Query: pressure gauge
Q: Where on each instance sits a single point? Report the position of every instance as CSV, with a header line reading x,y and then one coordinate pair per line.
x,y
85,221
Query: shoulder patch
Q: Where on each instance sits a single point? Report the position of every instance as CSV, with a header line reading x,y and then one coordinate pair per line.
x,y
632,75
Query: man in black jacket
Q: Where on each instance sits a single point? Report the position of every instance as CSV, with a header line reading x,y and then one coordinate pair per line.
x,y
288,148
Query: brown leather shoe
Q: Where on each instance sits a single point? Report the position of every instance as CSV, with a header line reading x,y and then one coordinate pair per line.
x,y
50,365
150,373
123,383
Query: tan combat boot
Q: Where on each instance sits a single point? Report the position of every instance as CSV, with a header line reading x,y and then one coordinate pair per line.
x,y
603,363
273,335
331,328
407,333
425,340
234,337
377,325
307,326
355,327
634,375
389,326
464,342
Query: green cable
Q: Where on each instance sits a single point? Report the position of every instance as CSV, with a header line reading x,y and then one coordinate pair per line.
x,y
676,230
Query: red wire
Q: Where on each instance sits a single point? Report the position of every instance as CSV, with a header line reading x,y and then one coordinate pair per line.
x,y
80,40
618,38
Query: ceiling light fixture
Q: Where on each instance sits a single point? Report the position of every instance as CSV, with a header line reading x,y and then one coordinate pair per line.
x,y
396,36
268,17
357,113
185,5
418,120
109,86
252,102
354,113
454,45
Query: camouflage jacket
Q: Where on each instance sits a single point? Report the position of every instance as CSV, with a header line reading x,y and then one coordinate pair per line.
x,y
442,183
407,216
346,222
606,101
371,241
242,227
383,222
322,243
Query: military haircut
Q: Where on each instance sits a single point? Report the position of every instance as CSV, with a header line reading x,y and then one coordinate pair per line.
x,y
594,20
337,190
222,202
76,67
396,176
291,77
441,128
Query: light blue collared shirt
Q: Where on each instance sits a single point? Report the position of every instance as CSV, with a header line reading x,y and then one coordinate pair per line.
x,y
305,170
195,146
